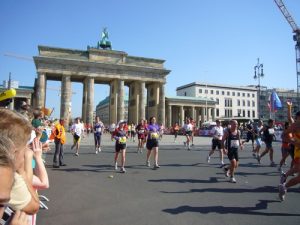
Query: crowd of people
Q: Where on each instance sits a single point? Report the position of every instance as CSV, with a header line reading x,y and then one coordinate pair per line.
x,y
25,136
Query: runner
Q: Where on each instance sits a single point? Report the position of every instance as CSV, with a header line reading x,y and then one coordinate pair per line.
x,y
268,133
152,142
120,136
295,151
76,130
133,128
161,131
217,133
250,133
175,130
285,146
257,136
232,136
98,131
188,128
141,131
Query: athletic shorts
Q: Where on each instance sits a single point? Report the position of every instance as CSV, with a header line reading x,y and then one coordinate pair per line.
x,y
189,133
216,143
258,142
152,143
233,154
297,155
268,145
120,147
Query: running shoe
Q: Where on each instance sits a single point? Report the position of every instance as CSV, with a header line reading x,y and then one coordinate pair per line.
x,y
184,143
258,158
232,180
282,192
272,164
76,154
99,149
282,178
208,159
122,170
226,171
116,166
96,151
148,163
156,166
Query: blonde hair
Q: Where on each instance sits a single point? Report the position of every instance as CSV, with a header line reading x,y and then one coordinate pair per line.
x,y
6,152
15,126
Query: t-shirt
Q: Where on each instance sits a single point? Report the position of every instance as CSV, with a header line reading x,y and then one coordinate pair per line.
x,y
217,132
77,128
121,136
153,130
20,195
98,128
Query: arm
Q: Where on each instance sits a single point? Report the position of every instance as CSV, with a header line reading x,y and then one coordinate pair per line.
x,y
289,112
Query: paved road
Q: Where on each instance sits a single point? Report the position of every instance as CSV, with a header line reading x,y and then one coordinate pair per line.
x,y
185,190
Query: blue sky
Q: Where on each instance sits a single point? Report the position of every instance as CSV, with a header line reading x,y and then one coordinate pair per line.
x,y
213,41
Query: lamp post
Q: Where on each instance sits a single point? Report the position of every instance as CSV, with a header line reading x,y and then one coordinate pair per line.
x,y
258,73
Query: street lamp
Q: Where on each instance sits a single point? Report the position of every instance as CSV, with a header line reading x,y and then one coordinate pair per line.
x,y
258,73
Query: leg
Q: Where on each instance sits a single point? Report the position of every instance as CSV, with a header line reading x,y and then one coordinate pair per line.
x,y
56,153
61,155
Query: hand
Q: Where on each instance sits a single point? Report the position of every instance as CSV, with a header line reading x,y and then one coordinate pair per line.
x,y
289,103
37,148
116,138
19,218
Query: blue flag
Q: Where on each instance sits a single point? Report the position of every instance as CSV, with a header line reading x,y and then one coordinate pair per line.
x,y
275,102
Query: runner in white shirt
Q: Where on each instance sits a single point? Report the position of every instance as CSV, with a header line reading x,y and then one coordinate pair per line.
x,y
217,132
77,130
188,128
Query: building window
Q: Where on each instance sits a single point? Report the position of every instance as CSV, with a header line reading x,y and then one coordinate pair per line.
x,y
239,112
253,103
248,95
248,103
244,114
253,95
185,93
217,92
228,93
244,103
253,114
223,92
238,102
206,91
212,92
244,94
217,112
233,93
238,94
248,112
218,101
228,102
200,91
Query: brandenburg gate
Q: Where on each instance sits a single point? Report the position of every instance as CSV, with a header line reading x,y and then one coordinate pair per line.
x,y
145,77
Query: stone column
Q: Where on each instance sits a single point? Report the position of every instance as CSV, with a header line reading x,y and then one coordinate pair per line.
x,y
141,101
41,90
65,100
181,115
84,100
202,115
120,101
193,113
213,114
90,101
162,105
169,124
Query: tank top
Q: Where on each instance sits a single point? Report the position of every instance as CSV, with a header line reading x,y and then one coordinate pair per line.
x,y
233,140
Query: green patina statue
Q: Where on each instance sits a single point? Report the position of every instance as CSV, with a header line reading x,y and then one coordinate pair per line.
x,y
104,43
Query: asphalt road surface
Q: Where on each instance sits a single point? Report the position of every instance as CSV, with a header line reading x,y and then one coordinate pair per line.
x,y
185,190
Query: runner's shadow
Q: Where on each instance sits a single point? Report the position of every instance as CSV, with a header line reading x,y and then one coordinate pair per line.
x,y
193,181
265,189
262,205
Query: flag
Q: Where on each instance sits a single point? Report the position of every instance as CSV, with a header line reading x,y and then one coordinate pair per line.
x,y
274,102
47,111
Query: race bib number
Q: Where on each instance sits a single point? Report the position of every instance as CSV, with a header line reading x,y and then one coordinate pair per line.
x,y
234,144
271,131
98,130
154,135
122,140
141,131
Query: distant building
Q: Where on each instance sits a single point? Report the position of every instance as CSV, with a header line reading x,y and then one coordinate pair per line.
x,y
102,110
284,95
24,94
231,101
